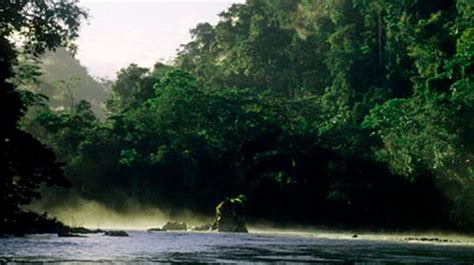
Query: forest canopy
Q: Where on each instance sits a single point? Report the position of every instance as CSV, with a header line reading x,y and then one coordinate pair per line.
x,y
321,112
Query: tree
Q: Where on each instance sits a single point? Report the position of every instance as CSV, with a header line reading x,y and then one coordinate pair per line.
x,y
25,163
431,131
134,85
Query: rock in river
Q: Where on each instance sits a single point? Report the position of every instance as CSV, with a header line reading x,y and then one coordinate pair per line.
x,y
116,233
175,226
230,215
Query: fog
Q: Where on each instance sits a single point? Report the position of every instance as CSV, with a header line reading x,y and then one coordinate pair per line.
x,y
94,215
91,214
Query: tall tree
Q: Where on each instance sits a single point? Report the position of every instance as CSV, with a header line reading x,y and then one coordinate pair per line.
x,y
25,163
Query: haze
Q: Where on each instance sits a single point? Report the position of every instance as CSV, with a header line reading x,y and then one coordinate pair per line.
x,y
119,33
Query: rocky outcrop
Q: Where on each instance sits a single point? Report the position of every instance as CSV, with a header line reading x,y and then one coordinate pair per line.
x,y
83,230
175,226
230,215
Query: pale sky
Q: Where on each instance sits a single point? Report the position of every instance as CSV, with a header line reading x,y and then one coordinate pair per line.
x,y
118,33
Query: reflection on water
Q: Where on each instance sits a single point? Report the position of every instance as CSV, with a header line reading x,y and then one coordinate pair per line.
x,y
213,247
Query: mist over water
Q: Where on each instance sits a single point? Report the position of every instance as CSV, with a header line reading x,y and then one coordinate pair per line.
x,y
92,214
265,242
395,237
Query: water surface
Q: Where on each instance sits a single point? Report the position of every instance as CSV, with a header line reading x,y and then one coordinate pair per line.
x,y
223,247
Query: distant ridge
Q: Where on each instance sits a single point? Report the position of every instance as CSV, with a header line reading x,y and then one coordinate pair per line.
x,y
63,75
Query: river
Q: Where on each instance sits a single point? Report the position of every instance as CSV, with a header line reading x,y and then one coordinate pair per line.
x,y
190,247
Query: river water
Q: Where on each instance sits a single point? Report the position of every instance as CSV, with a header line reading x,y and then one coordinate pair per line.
x,y
148,247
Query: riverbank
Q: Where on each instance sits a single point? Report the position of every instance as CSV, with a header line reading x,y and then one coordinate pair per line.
x,y
30,223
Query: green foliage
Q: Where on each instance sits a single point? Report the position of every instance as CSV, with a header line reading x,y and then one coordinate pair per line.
x,y
65,82
134,86
319,111
25,163
44,25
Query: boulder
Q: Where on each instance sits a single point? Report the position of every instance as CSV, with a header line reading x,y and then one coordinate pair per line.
x,y
175,226
116,233
230,215
83,230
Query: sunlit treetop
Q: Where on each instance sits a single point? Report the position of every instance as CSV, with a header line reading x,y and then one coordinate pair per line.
x,y
41,24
